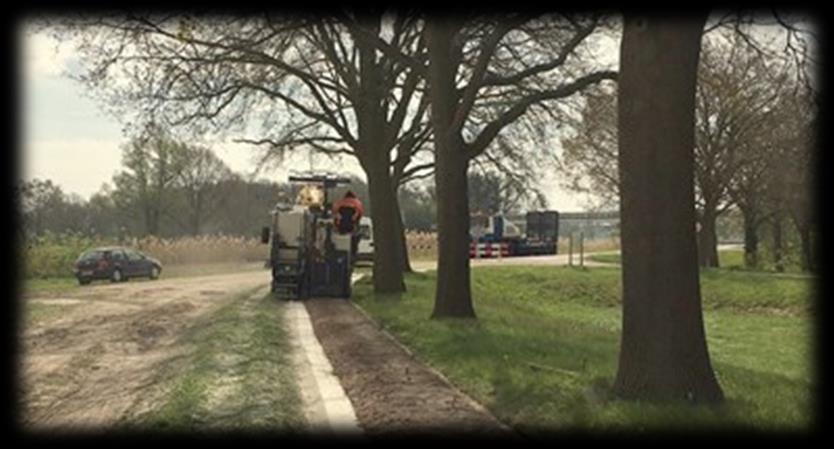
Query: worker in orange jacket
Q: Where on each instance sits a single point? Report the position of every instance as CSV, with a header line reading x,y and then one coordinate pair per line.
x,y
347,212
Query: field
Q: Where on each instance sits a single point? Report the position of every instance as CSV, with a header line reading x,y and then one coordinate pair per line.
x,y
543,351
53,255
49,259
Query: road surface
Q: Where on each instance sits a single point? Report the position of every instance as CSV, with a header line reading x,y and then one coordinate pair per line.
x,y
91,363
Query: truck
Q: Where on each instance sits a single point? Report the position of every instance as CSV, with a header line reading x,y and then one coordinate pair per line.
x,y
365,250
495,236
308,257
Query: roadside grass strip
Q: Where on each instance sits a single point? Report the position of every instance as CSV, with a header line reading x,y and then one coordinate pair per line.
x,y
728,259
543,352
238,375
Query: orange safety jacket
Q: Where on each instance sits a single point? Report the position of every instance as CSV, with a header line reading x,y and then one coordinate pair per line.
x,y
353,203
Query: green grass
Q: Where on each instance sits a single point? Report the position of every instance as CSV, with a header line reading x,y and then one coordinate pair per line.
x,y
605,257
544,349
243,350
732,259
49,285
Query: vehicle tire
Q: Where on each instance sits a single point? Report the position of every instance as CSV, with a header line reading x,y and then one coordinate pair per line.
x,y
154,273
117,276
84,281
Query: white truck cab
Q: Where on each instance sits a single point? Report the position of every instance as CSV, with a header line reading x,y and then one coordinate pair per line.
x,y
365,249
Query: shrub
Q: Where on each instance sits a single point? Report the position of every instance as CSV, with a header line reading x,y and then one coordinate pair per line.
x,y
53,255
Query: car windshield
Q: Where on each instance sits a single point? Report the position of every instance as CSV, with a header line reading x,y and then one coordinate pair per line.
x,y
90,255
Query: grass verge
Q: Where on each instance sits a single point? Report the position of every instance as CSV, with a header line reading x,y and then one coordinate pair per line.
x,y
728,259
238,374
543,352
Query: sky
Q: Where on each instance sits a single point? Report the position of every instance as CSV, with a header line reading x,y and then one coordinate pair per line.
x,y
68,138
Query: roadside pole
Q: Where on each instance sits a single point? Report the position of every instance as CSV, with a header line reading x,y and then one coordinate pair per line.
x,y
581,250
570,249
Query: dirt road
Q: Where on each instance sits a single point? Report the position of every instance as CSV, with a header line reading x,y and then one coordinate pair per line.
x,y
93,361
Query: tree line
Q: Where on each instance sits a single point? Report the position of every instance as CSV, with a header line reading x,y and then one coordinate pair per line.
x,y
413,95
168,188
753,151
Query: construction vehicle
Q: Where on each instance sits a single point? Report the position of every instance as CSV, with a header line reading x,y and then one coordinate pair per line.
x,y
308,256
495,236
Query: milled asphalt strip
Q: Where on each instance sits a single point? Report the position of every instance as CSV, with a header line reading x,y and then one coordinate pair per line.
x,y
473,403
330,409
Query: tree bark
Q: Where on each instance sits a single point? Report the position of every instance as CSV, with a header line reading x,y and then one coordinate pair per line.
x,y
387,272
751,239
803,230
387,269
406,262
707,238
663,351
453,296
806,260
778,244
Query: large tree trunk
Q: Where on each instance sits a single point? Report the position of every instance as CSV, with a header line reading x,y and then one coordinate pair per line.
x,y
751,239
453,297
387,272
387,269
707,238
406,263
663,351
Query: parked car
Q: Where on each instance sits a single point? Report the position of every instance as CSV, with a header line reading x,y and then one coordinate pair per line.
x,y
115,263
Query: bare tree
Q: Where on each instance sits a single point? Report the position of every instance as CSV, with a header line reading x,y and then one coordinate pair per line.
x,y
588,162
311,83
468,52
736,101
198,182
152,163
788,172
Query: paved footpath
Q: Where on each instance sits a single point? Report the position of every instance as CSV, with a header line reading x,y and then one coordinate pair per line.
x,y
390,391
327,408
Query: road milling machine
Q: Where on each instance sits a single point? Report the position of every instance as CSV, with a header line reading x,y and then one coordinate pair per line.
x,y
308,256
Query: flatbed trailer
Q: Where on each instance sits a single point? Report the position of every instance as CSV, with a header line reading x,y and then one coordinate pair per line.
x,y
540,237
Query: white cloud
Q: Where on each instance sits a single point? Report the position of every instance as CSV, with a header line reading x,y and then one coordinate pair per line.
x,y
44,55
76,165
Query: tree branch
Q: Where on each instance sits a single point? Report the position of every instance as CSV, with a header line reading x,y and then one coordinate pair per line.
x,y
493,128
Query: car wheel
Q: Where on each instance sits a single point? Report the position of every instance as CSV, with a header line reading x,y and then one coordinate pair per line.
x,y
117,276
154,273
84,281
